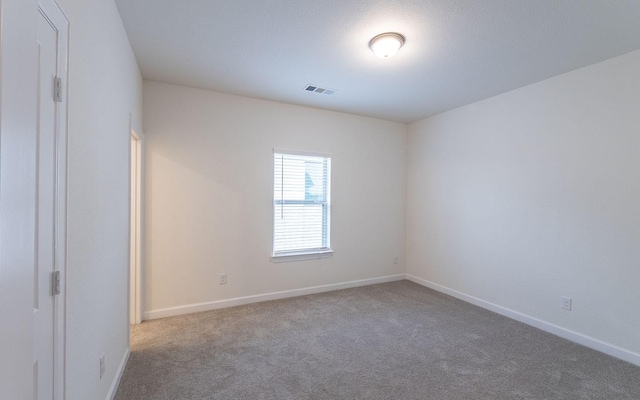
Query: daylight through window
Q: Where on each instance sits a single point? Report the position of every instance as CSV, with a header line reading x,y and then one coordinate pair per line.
x,y
301,203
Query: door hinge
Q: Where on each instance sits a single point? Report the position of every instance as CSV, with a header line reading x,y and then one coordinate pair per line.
x,y
57,89
55,283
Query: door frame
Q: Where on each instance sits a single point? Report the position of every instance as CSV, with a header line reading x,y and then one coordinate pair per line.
x,y
51,11
135,218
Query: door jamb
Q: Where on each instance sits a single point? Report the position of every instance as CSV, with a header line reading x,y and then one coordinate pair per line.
x,y
52,11
135,196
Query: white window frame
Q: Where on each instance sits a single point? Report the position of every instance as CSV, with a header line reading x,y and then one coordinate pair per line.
x,y
307,254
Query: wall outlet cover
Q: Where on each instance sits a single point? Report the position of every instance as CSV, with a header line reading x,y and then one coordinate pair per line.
x,y
102,365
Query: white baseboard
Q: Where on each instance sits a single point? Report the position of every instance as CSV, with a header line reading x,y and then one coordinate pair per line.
x,y
116,381
237,301
612,350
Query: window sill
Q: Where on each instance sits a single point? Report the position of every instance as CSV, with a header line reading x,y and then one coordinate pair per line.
x,y
316,255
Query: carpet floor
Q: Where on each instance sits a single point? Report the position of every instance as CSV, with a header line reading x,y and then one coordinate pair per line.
x,y
390,341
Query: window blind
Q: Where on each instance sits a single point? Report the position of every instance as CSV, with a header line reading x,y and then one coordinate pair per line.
x,y
301,203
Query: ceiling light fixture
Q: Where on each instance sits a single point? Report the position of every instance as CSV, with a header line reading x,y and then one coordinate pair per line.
x,y
385,45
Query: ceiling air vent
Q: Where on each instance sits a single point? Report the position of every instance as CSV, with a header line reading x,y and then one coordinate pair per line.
x,y
317,89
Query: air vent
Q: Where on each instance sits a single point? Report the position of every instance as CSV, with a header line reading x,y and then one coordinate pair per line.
x,y
320,90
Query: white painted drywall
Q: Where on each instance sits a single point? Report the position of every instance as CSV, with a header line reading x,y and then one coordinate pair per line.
x,y
18,105
104,87
535,194
209,177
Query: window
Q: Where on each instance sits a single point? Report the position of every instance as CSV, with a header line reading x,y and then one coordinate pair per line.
x,y
301,203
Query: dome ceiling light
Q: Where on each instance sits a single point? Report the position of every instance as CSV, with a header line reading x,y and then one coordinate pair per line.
x,y
385,45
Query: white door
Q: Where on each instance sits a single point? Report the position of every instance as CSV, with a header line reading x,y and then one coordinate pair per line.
x,y
50,188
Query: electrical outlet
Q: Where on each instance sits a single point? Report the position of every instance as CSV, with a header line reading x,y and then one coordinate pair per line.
x,y
395,260
223,279
566,303
102,367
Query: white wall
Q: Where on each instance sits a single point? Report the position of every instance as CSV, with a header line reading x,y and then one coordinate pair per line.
x,y
105,86
209,177
523,198
18,88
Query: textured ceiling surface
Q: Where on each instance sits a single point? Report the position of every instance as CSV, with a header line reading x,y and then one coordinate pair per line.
x,y
456,51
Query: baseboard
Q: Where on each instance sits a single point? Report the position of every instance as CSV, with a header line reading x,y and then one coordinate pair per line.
x,y
116,381
607,348
237,301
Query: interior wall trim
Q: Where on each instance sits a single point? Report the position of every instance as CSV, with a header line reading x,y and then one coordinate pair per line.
x,y
595,344
116,380
237,301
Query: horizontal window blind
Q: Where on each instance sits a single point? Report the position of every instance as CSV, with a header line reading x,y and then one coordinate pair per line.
x,y
301,203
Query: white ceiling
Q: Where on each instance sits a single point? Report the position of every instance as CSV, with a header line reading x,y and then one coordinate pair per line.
x,y
456,51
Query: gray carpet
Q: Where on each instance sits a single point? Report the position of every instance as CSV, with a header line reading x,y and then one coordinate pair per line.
x,y
391,341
